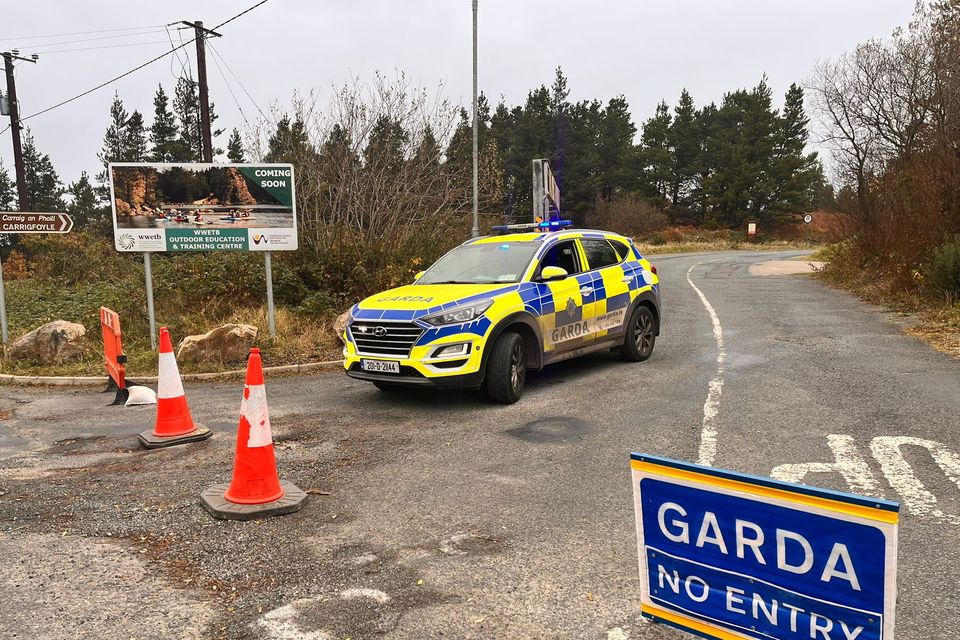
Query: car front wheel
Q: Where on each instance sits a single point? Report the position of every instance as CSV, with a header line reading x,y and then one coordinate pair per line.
x,y
506,369
641,335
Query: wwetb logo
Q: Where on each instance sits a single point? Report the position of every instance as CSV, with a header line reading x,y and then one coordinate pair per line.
x,y
259,238
127,242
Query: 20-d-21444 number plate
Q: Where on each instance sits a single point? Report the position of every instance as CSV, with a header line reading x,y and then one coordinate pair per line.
x,y
380,366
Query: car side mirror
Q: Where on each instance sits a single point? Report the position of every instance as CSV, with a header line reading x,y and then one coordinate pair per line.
x,y
419,275
549,274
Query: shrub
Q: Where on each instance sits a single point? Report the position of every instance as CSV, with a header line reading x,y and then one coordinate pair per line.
x,y
942,273
15,266
628,216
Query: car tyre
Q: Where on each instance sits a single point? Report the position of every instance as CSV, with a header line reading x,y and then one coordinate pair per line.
x,y
506,369
641,335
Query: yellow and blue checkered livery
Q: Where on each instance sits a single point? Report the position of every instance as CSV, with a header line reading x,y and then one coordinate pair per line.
x,y
564,293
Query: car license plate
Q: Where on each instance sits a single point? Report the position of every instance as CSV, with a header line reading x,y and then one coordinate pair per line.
x,y
380,366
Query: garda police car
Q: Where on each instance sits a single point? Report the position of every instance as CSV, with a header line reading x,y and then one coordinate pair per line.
x,y
496,306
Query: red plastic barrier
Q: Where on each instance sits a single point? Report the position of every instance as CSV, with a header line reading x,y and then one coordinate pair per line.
x,y
113,348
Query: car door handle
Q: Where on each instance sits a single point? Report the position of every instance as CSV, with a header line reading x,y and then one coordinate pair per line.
x,y
585,291
628,279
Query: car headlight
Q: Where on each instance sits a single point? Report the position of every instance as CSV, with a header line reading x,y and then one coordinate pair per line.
x,y
459,315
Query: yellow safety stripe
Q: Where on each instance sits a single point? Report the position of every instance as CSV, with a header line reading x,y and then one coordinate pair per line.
x,y
880,515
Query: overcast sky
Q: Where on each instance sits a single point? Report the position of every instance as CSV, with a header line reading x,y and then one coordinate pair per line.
x,y
647,50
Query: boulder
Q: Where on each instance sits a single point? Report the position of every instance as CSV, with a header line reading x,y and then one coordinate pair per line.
x,y
228,343
52,343
340,324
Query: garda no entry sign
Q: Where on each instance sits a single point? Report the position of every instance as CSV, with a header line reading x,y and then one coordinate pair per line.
x,y
726,555
203,207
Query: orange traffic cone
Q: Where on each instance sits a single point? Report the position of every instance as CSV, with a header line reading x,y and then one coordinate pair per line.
x,y
174,423
255,490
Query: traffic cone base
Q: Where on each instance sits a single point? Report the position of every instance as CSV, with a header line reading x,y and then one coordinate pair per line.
x,y
255,491
152,441
215,502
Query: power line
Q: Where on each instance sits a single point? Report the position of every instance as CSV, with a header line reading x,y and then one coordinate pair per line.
x,y
229,88
106,46
137,68
228,21
113,37
183,65
243,88
82,33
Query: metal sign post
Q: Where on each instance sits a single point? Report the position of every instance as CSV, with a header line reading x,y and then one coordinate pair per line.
x,y
148,272
268,269
24,222
546,193
3,309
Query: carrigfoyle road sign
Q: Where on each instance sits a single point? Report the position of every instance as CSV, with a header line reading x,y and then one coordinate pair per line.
x,y
726,555
21,222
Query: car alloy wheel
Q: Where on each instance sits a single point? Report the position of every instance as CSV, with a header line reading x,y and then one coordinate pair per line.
x,y
643,333
518,369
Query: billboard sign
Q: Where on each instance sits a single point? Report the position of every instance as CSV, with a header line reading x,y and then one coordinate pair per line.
x,y
203,207
727,555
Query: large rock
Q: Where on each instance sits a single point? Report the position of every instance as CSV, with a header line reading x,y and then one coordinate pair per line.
x,y
340,324
52,343
229,343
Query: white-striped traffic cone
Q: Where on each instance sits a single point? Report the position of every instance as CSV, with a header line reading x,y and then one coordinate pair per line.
x,y
174,423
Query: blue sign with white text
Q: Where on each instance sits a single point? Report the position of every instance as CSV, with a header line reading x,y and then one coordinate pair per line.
x,y
728,555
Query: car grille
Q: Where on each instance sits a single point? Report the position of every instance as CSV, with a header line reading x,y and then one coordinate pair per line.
x,y
395,339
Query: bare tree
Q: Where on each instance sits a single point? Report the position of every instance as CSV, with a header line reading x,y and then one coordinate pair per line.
x,y
370,166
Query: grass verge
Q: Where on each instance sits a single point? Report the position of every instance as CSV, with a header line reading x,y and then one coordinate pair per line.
x,y
647,248
300,338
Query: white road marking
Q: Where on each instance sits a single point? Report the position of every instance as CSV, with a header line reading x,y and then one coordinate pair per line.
x,y
886,449
711,407
373,594
280,624
848,463
448,546
617,634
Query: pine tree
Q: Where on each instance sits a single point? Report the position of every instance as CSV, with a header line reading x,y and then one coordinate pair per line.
x,y
615,148
798,175
186,106
235,147
656,159
385,145
560,113
289,142
8,191
684,143
163,131
428,150
134,139
44,189
338,148
84,205
459,154
114,140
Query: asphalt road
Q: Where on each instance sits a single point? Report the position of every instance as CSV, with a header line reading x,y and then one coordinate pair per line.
x,y
440,515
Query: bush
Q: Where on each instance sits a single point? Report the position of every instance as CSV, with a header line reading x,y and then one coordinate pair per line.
x,y
942,273
628,216
15,266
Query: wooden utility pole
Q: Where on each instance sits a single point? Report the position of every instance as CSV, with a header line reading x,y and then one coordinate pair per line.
x,y
205,134
8,58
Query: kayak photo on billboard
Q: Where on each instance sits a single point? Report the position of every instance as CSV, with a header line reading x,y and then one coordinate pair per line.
x,y
203,207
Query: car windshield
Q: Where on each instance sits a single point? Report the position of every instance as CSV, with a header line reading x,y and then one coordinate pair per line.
x,y
484,263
